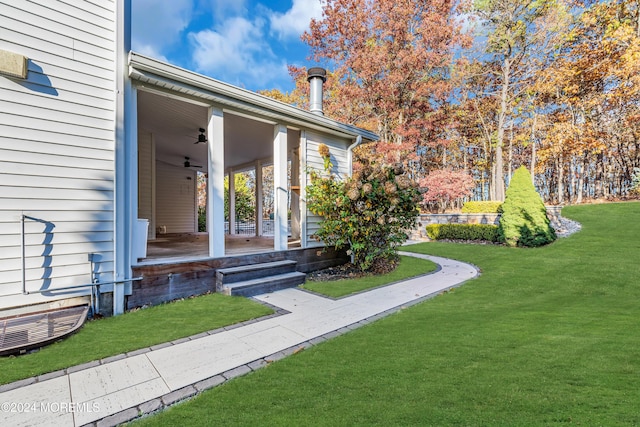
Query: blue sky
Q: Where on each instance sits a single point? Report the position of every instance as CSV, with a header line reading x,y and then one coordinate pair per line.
x,y
248,43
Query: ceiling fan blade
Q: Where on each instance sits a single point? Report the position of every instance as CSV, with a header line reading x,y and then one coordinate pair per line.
x,y
187,163
202,137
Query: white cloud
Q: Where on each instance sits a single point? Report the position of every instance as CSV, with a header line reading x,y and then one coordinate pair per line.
x,y
150,51
236,52
157,25
296,20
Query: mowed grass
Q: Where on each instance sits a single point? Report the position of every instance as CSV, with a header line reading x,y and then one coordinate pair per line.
x,y
132,331
408,267
546,336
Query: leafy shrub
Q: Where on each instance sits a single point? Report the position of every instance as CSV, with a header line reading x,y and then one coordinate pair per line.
x,y
485,206
486,232
524,220
367,213
202,219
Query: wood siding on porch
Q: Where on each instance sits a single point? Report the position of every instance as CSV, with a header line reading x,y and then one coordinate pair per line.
x,y
173,280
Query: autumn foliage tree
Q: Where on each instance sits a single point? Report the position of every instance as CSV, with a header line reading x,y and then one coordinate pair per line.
x,y
591,95
550,84
515,31
392,58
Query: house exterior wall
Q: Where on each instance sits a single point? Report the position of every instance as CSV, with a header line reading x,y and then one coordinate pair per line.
x,y
57,146
176,198
338,151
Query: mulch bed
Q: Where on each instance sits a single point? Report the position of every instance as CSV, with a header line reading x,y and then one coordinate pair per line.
x,y
350,271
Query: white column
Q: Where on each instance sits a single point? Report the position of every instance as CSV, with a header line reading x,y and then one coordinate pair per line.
x,y
302,153
295,195
259,212
232,202
215,183
280,188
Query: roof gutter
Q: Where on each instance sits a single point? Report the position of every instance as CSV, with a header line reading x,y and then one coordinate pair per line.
x,y
176,79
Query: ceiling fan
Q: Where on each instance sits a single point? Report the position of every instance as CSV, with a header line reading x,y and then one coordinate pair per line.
x,y
202,137
187,163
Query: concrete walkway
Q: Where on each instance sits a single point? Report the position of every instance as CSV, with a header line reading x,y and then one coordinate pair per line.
x,y
124,387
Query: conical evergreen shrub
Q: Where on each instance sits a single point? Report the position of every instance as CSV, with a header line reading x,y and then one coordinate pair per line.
x,y
524,220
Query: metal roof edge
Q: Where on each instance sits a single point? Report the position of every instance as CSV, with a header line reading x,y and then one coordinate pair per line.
x,y
142,64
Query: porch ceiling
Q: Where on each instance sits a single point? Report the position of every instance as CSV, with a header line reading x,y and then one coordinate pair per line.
x,y
175,123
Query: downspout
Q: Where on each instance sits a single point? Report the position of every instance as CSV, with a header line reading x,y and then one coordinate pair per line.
x,y
24,255
350,169
350,153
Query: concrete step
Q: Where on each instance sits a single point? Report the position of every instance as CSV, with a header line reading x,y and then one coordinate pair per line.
x,y
263,285
253,271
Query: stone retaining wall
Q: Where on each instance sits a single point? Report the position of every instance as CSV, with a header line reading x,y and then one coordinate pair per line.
x,y
553,212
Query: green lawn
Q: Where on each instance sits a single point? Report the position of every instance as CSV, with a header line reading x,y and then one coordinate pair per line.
x,y
545,336
135,330
408,267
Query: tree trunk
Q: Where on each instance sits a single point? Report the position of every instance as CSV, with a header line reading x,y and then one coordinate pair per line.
x,y
498,178
560,167
598,190
510,166
533,147
581,169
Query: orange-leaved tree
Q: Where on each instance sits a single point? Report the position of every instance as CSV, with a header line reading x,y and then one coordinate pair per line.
x,y
393,59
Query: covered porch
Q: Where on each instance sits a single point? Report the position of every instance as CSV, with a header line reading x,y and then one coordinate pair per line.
x,y
186,147
186,133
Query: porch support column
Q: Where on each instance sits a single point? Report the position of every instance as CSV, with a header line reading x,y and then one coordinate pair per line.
x,y
232,202
280,188
295,195
259,212
304,180
215,183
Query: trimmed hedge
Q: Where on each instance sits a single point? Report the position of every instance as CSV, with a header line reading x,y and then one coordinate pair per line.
x,y
486,232
485,206
524,220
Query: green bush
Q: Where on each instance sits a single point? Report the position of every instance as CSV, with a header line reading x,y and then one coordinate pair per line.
x,y
202,219
367,213
486,232
486,206
524,220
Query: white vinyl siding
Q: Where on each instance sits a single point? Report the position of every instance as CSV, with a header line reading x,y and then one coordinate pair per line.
x,y
338,153
57,145
175,198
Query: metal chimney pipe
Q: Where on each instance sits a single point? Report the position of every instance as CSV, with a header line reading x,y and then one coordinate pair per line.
x,y
316,77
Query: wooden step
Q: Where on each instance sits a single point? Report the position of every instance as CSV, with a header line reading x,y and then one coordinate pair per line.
x,y
252,271
263,285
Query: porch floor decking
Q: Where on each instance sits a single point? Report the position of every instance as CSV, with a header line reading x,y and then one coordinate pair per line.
x,y
181,246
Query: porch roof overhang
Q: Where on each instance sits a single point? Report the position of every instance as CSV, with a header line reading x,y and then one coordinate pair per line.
x,y
175,81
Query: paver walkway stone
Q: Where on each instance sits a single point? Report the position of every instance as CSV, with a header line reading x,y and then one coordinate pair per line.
x,y
126,387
